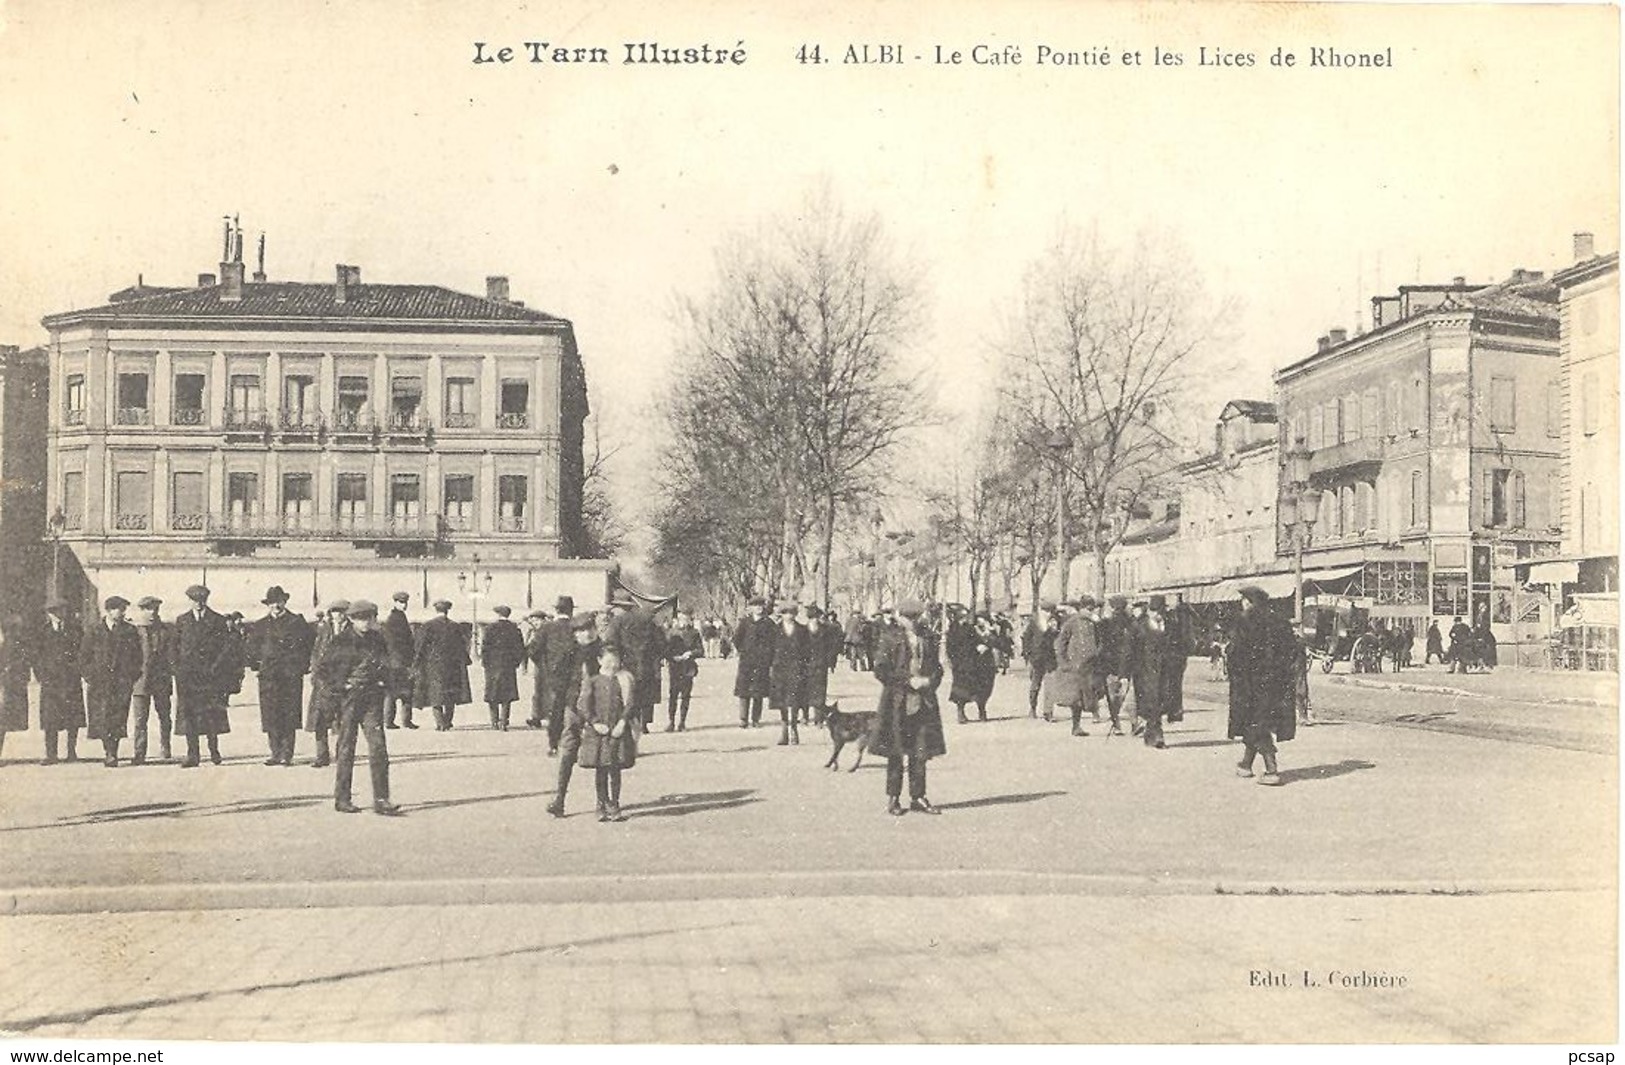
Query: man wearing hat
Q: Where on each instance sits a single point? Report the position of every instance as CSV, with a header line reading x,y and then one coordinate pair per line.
x,y
1076,648
1263,664
61,685
787,671
279,650
638,636
1151,631
398,637
500,654
110,657
684,649
909,724
440,667
156,683
1119,653
753,643
824,642
322,712
1038,648
356,665
206,662
584,664
557,665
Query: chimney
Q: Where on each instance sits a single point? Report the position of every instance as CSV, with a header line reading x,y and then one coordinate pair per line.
x,y
1339,336
1323,343
231,282
259,273
496,289
1458,282
1585,247
205,281
348,279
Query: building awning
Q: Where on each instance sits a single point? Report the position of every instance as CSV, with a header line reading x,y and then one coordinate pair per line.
x,y
1275,585
1335,573
1554,572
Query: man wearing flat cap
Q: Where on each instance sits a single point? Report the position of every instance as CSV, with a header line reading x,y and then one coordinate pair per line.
x,y
501,652
110,656
1263,681
206,664
154,687
279,650
1038,647
554,652
440,667
398,637
322,712
356,666
684,649
1119,650
584,637
753,643
909,724
61,682
637,634
787,671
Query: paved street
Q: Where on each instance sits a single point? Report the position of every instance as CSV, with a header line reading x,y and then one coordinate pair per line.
x,y
1074,889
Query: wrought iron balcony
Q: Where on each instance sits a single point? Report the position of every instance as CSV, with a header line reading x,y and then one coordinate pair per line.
x,y
408,423
187,522
292,526
1363,452
461,420
132,522
247,419
298,420
132,416
73,522
519,420
512,524
73,417
346,420
188,416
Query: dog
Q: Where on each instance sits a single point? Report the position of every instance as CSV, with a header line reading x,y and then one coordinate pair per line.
x,y
847,728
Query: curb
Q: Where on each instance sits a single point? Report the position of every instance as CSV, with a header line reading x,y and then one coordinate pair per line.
x,y
1461,693
146,898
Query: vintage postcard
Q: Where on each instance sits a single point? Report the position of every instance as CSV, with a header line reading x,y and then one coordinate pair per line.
x,y
861,522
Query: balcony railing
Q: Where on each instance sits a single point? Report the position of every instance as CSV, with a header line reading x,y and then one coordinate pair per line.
x,y
512,524
1365,451
298,420
188,416
408,423
345,420
460,420
458,522
131,522
507,420
187,522
132,416
73,417
246,419
321,527
73,521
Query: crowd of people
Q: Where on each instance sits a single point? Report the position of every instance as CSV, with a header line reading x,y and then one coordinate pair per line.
x,y
596,678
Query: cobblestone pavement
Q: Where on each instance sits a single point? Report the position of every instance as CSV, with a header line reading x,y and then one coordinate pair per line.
x,y
1075,889
858,969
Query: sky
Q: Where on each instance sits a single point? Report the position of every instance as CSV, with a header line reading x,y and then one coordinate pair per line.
x,y
364,133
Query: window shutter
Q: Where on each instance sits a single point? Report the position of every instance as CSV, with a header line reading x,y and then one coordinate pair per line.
x,y
1370,415
1483,506
1517,508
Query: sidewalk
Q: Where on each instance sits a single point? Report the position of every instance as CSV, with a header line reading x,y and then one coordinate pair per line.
x,y
1536,686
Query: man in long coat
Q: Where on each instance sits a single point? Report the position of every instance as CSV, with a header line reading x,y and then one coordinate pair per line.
x,y
1076,647
15,651
584,664
824,642
970,653
155,687
557,664
1119,658
110,659
787,670
1263,656
1038,647
61,685
279,650
440,667
1181,628
1150,670
753,643
909,724
501,652
637,635
207,658
684,649
322,712
398,638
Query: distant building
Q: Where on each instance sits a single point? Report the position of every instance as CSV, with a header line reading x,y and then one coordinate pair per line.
x,y
339,439
24,564
1589,303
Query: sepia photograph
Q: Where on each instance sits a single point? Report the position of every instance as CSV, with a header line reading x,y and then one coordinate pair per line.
x,y
1161,460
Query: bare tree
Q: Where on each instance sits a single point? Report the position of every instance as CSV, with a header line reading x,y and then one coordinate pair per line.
x,y
1099,357
604,530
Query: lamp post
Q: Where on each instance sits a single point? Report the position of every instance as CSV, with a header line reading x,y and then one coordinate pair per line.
x,y
474,584
57,523
1300,507
1059,443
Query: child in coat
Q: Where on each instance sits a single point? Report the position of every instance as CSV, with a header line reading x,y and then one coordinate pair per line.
x,y
608,732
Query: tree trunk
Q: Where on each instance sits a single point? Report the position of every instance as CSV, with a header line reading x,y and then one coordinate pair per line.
x,y
829,544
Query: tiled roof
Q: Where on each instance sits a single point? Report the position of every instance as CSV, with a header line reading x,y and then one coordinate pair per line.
x,y
295,299
1528,299
1257,409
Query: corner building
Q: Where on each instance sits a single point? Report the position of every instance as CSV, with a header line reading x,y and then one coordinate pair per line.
x,y
342,439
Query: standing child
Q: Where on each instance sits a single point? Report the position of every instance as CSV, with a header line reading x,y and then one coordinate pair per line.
x,y
608,731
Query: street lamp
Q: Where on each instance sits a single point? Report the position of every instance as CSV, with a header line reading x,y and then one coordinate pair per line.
x,y
57,523
472,583
1059,443
1300,507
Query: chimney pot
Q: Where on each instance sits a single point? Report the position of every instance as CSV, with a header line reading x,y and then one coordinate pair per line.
x,y
496,288
205,281
231,281
1323,343
1338,336
1459,282
1585,247
346,278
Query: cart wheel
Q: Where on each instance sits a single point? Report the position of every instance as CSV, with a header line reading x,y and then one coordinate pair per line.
x,y
1326,664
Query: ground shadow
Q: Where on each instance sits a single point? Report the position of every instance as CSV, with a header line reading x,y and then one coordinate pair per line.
x,y
697,802
438,756
80,1017
153,810
474,800
1191,744
998,800
1325,772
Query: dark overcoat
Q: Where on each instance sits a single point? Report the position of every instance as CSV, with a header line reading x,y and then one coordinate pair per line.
x,y
753,643
971,656
638,637
1075,651
280,651
207,660
500,654
397,632
61,689
786,674
322,712
557,658
440,665
110,659
898,731
14,655
1152,636
680,642
355,670
603,701
823,651
157,670
1263,674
